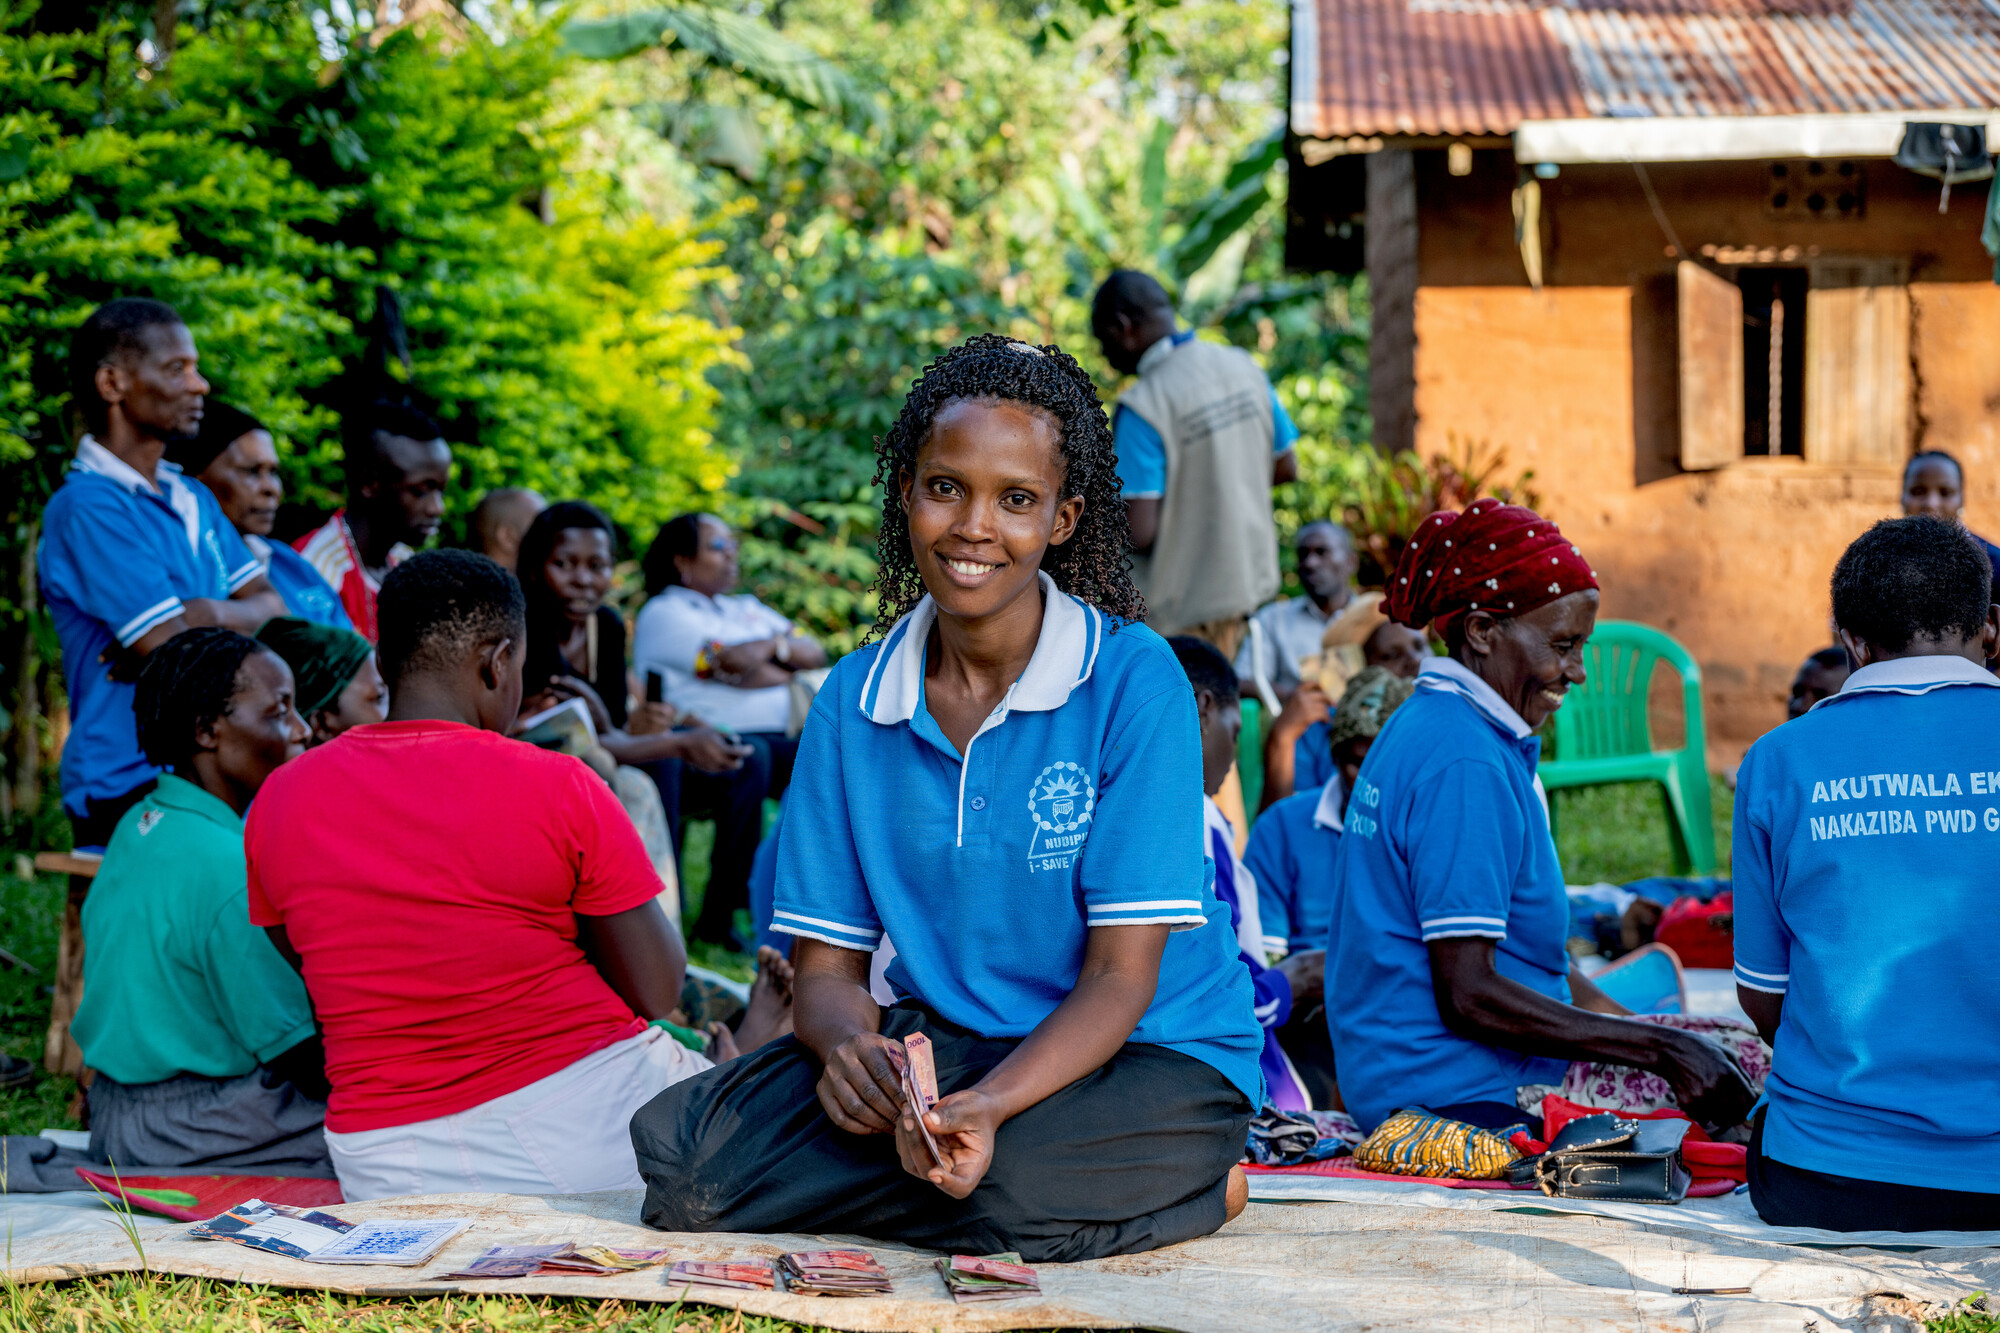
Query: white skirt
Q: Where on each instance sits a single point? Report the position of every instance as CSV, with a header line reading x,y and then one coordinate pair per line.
x,y
568,1133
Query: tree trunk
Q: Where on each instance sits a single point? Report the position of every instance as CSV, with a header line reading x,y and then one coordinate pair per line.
x,y
166,15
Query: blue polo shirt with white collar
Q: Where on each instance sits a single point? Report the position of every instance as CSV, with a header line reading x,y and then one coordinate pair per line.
x,y
118,556
1291,854
1866,837
1446,835
1076,805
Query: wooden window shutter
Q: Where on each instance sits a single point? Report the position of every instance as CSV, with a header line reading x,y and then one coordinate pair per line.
x,y
1711,365
1858,362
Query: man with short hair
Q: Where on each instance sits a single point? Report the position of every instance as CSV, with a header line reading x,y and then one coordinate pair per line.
x,y
397,467
132,551
1201,440
1864,842
501,519
1287,632
475,920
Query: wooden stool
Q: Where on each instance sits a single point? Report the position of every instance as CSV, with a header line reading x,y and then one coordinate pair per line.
x,y
60,1053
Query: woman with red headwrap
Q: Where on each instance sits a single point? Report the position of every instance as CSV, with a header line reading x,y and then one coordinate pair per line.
x,y
1448,986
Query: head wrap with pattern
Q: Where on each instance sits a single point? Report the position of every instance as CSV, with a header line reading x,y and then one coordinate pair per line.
x,y
1373,694
1493,557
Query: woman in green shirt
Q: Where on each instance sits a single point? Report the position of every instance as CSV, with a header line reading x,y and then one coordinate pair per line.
x,y
200,1032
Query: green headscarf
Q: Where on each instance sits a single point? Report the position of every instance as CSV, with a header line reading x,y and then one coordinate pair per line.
x,y
1366,703
323,659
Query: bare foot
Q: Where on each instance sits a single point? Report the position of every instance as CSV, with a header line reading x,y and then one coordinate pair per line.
x,y
770,1013
722,1043
1237,1196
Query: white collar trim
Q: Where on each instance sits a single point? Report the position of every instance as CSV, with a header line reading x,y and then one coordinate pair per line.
x,y
1072,633
1912,675
1448,674
1327,813
94,458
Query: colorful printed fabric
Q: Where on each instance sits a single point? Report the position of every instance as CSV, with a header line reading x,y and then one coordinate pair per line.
x,y
1419,1143
1493,557
1594,1083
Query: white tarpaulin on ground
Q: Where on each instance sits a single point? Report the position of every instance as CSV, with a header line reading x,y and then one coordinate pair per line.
x,y
1729,1215
1278,1267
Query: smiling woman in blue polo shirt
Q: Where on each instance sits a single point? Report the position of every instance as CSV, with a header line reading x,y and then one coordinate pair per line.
x,y
1866,836
1009,785
1448,986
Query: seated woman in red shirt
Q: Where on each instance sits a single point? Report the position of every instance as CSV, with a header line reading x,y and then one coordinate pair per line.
x,y
474,919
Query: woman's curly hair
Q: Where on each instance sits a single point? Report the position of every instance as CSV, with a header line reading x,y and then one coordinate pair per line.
x,y
1094,564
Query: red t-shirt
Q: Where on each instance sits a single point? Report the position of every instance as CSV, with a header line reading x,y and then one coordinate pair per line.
x,y
429,875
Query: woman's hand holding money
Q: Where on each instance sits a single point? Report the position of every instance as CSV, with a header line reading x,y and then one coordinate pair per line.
x,y
861,1086
963,1125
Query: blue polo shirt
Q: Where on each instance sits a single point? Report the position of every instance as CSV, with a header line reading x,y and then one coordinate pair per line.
x,y
1077,805
1866,837
1446,836
1312,757
117,559
306,592
1291,855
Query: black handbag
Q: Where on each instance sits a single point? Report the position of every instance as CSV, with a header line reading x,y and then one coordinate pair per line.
x,y
1607,1157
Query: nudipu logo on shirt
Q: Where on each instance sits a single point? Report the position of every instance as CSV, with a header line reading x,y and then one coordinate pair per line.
x,y
1060,801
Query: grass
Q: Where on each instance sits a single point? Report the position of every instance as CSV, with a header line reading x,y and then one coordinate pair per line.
x,y
134,1304
1613,833
1616,834
31,910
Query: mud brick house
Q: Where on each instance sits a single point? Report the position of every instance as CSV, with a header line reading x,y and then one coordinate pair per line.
x,y
1658,250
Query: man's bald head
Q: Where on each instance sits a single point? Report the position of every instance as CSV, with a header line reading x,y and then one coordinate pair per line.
x,y
501,519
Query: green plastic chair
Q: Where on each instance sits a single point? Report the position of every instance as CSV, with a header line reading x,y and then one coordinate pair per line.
x,y
1603,737
1250,757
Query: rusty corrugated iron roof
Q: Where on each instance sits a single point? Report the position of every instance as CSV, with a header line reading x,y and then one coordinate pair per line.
x,y
1473,67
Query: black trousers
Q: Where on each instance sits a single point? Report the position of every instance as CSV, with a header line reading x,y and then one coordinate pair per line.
x,y
1791,1196
1129,1158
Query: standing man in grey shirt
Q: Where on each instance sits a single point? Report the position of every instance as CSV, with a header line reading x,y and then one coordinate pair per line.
x,y
1201,440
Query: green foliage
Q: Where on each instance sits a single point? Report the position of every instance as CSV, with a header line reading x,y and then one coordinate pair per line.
x,y
746,45
1012,161
266,192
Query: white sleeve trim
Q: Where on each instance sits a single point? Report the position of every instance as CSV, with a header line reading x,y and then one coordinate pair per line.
x,y
244,575
1176,919
852,937
780,928
1464,932
1146,905
1499,921
1276,947
139,626
1758,981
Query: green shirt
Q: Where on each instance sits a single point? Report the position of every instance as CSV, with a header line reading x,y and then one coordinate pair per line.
x,y
175,978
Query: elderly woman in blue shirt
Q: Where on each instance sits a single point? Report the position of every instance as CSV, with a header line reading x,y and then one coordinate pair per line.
x,y
1448,984
1009,785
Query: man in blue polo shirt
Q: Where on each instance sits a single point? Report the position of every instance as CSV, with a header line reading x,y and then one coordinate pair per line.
x,y
132,552
1865,840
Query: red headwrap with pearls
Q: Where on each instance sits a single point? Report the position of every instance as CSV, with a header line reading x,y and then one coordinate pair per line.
x,y
1493,557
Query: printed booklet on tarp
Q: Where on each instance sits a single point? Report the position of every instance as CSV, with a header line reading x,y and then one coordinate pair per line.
x,y
322,1238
